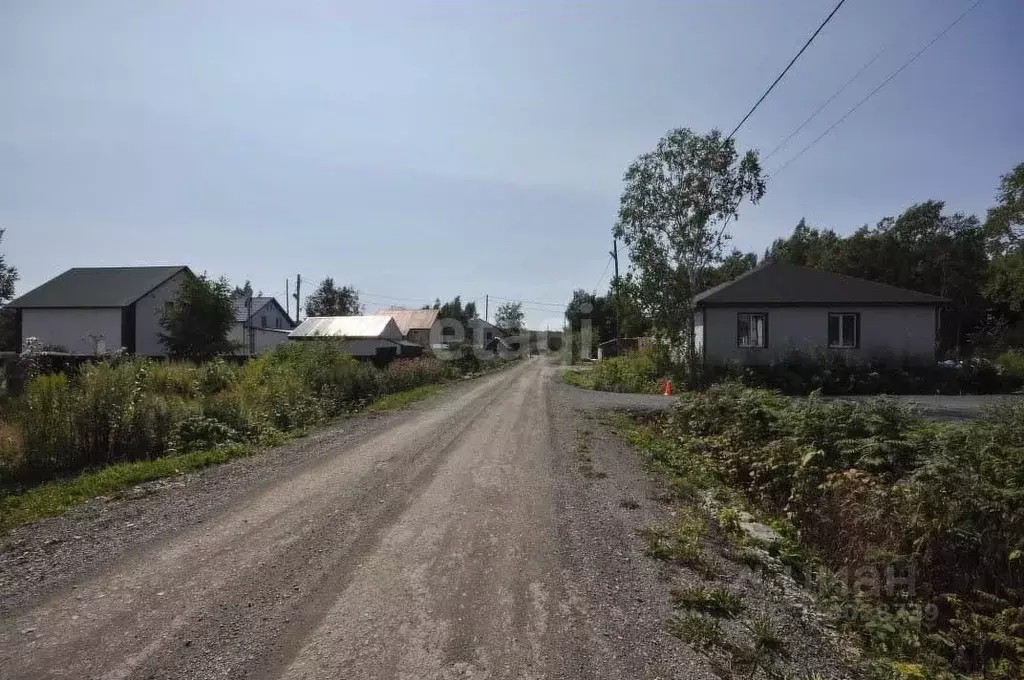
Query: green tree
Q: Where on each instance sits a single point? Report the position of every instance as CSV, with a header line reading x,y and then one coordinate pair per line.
x,y
509,317
1004,224
453,309
198,321
673,214
9,339
243,291
734,264
329,300
922,249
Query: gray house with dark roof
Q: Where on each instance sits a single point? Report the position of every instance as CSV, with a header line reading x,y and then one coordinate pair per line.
x,y
99,310
778,307
261,323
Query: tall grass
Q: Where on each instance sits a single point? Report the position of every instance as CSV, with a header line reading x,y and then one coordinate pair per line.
x,y
138,409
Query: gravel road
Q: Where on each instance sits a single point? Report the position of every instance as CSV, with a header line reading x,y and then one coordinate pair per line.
x,y
455,540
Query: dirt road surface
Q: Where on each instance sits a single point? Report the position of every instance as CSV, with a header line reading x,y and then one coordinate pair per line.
x,y
452,541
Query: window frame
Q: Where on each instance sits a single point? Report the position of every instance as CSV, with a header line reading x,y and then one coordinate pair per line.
x,y
750,316
828,330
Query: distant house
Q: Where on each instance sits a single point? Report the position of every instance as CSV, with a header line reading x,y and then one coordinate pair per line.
x,y
483,333
374,336
778,307
421,326
261,323
99,310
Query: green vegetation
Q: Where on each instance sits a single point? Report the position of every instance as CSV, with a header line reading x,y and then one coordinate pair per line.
x,y
330,300
699,630
913,531
196,324
799,373
676,203
401,400
127,410
716,601
634,372
54,498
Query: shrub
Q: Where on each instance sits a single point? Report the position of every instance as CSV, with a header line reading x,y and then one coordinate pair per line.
x,y
798,373
871,485
406,374
136,409
633,372
12,448
169,378
1011,363
216,376
47,424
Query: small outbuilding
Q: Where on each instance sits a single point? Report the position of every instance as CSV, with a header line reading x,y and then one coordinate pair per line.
x,y
374,336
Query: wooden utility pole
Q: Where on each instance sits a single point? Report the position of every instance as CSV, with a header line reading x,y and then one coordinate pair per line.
x,y
615,287
287,299
298,288
487,307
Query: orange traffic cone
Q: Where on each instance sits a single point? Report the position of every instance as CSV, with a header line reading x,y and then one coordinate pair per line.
x,y
668,388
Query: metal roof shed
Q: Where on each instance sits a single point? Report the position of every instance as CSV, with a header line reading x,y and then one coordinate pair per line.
x,y
360,336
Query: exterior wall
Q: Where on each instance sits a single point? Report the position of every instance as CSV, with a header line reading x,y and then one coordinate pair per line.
x,y
363,347
895,331
698,331
426,336
262,339
148,311
80,331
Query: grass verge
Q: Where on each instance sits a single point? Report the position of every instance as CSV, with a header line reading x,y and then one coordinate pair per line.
x,y
57,497
580,378
402,400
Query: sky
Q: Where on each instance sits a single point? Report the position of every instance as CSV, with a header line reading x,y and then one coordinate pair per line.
x,y
420,150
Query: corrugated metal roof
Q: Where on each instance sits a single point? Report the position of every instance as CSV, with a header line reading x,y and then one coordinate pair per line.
x,y
781,283
97,287
370,326
412,319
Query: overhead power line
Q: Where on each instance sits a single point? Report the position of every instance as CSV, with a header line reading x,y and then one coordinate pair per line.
x,y
868,64
786,70
892,76
607,264
530,302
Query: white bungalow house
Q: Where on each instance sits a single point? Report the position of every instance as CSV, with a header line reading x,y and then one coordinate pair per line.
x,y
778,307
99,310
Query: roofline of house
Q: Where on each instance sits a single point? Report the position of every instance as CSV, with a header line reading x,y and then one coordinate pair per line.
x,y
183,268
270,299
128,304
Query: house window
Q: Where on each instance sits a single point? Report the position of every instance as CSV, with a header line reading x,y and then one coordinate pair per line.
x,y
844,330
263,321
752,330
277,322
489,336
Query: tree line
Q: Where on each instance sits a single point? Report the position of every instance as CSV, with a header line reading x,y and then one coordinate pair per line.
x,y
679,200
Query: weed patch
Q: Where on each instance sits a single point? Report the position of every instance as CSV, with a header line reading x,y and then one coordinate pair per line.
x,y
919,526
714,601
